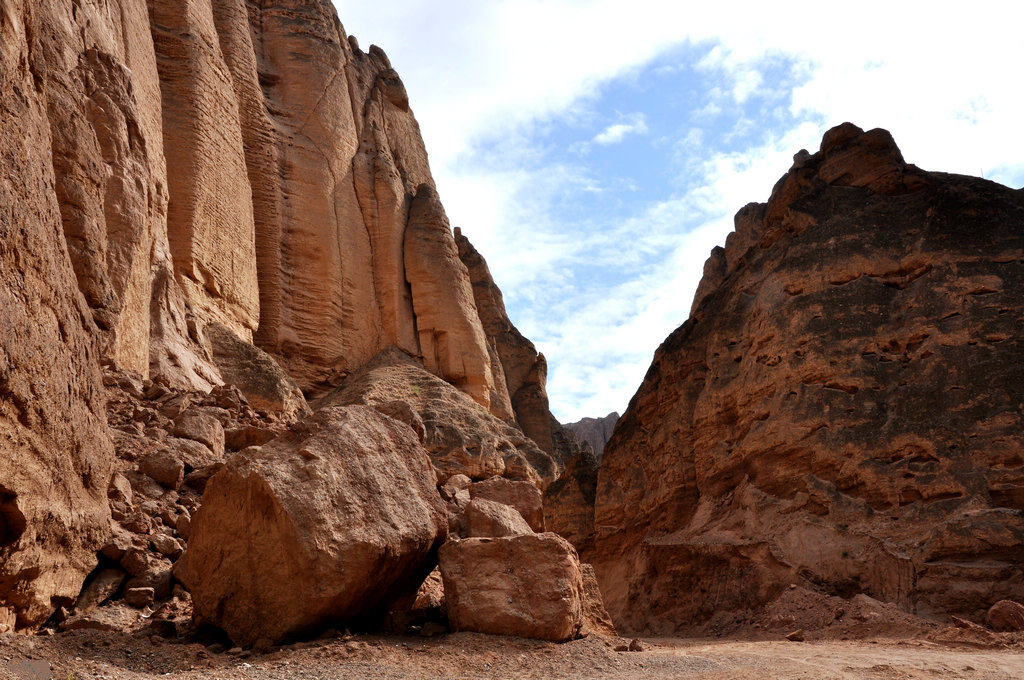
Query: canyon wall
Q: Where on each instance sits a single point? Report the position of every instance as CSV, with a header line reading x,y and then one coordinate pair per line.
x,y
842,410
168,166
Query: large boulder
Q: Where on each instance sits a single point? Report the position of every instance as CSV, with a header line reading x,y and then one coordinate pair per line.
x,y
259,377
485,519
522,496
528,586
320,527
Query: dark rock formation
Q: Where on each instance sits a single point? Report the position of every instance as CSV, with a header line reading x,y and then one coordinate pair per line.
x,y
842,410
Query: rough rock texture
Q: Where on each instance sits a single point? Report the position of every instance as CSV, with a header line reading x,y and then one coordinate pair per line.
x,y
293,537
460,435
522,496
57,456
594,431
528,586
248,165
569,502
1005,615
254,372
490,519
171,172
596,620
842,409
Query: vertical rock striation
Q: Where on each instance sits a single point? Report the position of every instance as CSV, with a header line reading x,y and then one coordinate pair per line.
x,y
168,167
842,410
56,453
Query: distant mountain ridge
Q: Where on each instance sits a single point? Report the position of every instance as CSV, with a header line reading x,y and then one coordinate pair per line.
x,y
594,431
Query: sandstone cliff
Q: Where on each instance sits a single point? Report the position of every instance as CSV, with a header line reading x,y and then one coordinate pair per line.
x,y
247,165
172,170
842,410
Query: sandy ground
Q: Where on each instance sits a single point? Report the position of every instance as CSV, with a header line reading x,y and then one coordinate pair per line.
x,y
77,655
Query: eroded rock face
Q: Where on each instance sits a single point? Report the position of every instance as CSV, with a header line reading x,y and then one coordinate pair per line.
x,y
842,409
528,586
57,456
293,537
461,436
254,372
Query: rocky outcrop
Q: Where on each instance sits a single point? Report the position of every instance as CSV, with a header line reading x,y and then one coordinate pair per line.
x,y
255,373
247,166
490,519
528,586
594,431
292,537
522,496
460,435
840,412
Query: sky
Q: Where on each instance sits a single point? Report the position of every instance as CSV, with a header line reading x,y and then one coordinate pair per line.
x,y
595,151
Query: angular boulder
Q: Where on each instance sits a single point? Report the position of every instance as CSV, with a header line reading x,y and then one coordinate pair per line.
x,y
486,519
528,586
1006,615
523,496
261,379
315,529
460,435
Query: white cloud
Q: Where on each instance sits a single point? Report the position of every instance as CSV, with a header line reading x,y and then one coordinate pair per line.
x,y
614,134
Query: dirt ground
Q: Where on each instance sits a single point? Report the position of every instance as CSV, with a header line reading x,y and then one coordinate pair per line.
x,y
946,652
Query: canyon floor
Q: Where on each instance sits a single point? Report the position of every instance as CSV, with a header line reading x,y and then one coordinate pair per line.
x,y
937,652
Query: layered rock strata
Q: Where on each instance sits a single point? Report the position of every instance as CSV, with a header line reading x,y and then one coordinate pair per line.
x,y
57,455
842,409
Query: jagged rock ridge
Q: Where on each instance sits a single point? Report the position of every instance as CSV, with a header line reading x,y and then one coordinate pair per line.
x,y
842,410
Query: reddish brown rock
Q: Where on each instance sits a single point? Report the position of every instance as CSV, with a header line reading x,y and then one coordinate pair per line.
x,y
195,169
1005,615
255,373
528,586
523,496
201,427
451,339
841,411
163,467
333,541
569,502
488,519
596,620
57,456
460,435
